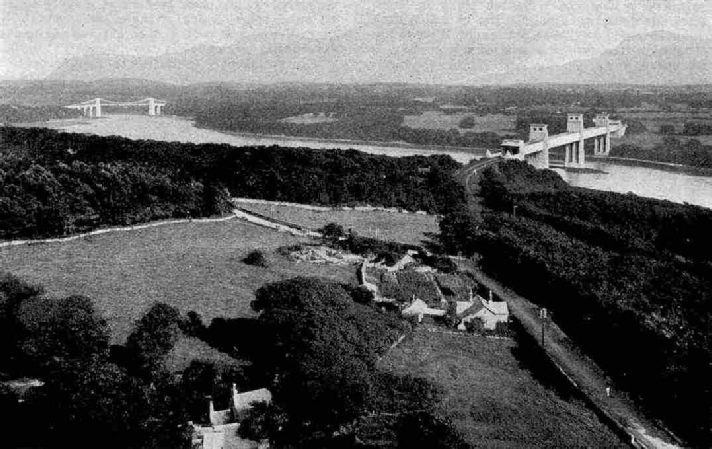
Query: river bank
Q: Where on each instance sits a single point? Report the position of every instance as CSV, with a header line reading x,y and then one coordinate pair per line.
x,y
658,165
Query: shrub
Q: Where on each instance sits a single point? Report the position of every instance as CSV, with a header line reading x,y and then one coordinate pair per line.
x,y
256,258
287,250
467,122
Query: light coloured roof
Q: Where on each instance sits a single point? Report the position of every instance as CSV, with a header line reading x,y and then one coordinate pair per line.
x,y
220,417
462,306
497,307
243,401
419,306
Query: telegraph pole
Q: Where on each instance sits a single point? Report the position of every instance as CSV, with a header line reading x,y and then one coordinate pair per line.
x,y
543,316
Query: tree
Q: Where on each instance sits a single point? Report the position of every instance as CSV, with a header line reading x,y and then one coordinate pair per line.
x,y
332,232
264,422
667,129
459,231
256,258
325,348
154,336
216,200
13,293
96,396
59,332
467,122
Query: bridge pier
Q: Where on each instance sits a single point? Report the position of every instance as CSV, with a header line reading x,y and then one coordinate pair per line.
x,y
97,107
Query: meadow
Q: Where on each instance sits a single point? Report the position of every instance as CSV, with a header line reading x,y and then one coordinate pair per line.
x,y
193,266
495,396
497,123
400,227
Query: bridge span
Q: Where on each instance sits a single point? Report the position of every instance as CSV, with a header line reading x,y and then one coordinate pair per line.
x,y
536,149
92,108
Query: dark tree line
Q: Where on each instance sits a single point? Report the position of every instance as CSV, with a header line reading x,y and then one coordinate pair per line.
x,y
26,114
55,183
629,278
673,150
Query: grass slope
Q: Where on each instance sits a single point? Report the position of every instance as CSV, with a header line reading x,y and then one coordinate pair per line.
x,y
492,399
400,227
193,266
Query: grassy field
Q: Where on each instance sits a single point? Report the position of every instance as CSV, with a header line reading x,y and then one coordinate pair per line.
x,y
193,266
496,123
405,228
653,120
650,139
494,398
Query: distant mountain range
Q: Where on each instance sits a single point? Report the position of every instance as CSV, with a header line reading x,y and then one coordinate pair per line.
x,y
653,58
401,53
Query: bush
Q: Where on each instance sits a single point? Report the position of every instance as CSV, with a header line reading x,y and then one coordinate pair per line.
x,y
287,250
667,129
256,258
467,122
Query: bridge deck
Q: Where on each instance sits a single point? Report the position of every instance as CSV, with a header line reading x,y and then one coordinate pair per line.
x,y
566,138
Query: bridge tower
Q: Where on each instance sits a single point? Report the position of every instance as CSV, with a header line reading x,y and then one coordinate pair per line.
x,y
97,107
602,144
539,132
574,154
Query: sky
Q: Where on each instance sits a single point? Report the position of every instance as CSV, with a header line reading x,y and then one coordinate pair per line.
x,y
37,35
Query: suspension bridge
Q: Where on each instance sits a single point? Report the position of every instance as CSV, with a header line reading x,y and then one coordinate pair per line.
x,y
93,108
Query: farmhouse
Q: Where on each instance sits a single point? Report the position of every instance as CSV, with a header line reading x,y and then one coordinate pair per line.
x,y
221,433
491,313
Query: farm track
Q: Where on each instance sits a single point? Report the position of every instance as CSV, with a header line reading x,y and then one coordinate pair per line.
x,y
237,213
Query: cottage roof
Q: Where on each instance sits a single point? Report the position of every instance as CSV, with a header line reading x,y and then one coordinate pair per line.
x,y
462,307
497,307
220,417
243,401
419,306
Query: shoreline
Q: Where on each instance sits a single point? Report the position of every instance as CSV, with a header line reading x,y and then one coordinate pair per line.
x,y
658,165
475,151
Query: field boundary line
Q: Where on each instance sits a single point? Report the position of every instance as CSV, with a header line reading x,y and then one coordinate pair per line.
x,y
115,229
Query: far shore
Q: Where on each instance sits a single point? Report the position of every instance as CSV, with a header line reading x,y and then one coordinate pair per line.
x,y
659,165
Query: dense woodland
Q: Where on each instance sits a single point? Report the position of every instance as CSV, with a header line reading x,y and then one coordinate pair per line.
x,y
629,278
57,183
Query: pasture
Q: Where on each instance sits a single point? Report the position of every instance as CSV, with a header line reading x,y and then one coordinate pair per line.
x,y
310,119
650,139
494,397
496,123
653,120
400,227
193,266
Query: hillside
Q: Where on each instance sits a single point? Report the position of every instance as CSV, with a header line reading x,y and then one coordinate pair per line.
x,y
652,58
403,52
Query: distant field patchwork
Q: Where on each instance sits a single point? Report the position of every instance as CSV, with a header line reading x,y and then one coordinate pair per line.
x,y
496,123
405,228
650,139
193,266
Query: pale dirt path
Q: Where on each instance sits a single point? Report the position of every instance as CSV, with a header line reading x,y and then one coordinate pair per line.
x,y
236,214
619,410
